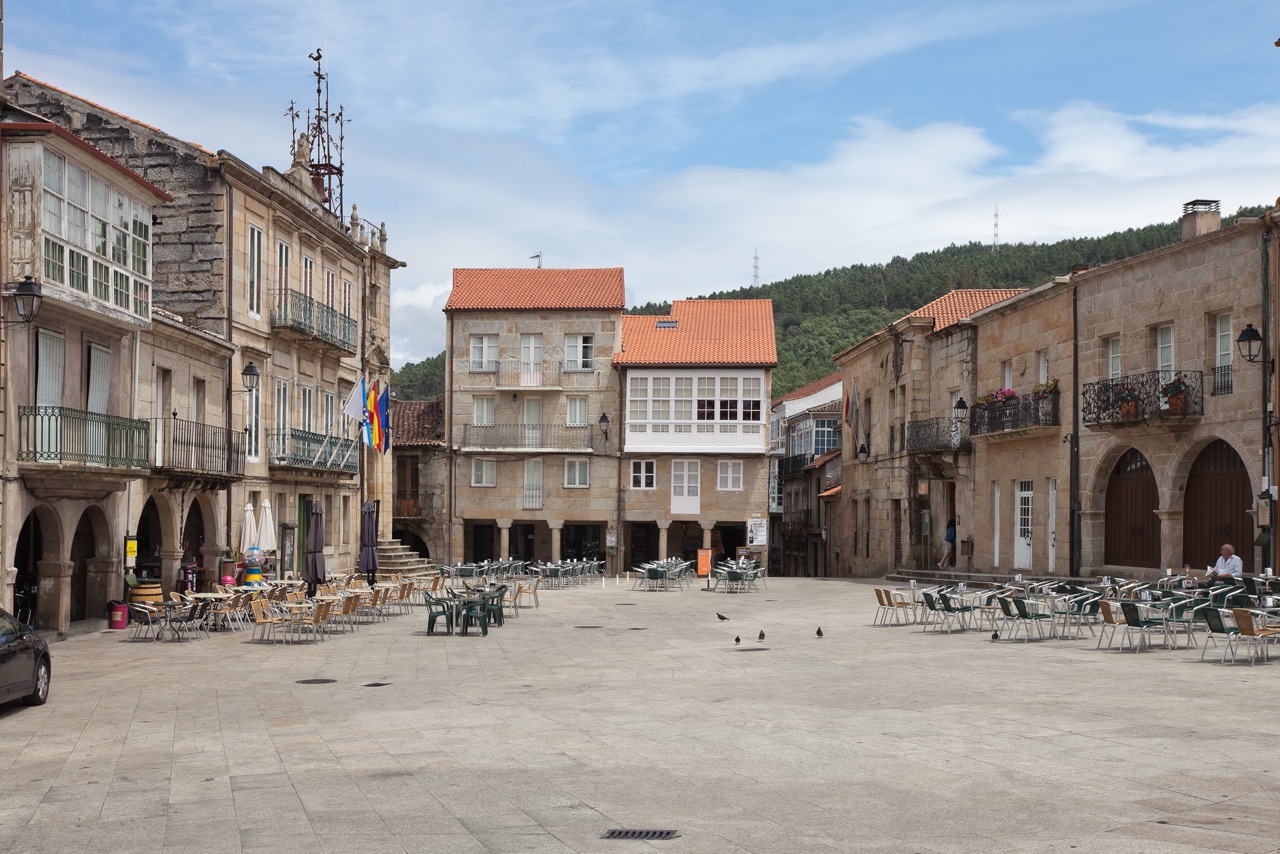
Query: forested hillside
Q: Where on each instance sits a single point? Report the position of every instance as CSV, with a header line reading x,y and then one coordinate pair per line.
x,y
817,315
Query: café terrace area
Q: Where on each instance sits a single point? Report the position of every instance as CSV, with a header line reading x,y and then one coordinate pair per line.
x,y
621,706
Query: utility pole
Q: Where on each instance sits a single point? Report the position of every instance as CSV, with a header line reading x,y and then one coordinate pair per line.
x,y
755,270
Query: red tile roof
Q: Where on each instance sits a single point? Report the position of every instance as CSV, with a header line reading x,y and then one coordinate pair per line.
x,y
957,305
833,492
416,423
538,288
702,332
824,459
806,390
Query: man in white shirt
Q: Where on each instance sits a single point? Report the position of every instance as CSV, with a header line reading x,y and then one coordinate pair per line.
x,y
1228,569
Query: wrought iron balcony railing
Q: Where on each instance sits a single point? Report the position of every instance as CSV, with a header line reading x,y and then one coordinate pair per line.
x,y
302,449
546,437
794,464
532,497
517,374
1135,397
1223,380
59,434
201,449
934,435
1020,413
297,311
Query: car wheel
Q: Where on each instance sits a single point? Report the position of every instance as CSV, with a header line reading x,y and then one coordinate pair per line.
x,y
40,693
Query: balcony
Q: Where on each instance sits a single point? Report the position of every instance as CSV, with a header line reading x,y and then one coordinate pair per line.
x,y
793,465
58,434
529,437
300,449
299,313
1017,416
516,375
937,435
532,497
1138,397
421,505
192,449
1223,380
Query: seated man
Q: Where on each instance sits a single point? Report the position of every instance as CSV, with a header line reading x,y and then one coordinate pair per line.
x,y
1228,569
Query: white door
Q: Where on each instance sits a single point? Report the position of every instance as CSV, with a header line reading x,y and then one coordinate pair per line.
x,y
47,426
1051,532
532,426
685,487
96,440
1022,525
530,360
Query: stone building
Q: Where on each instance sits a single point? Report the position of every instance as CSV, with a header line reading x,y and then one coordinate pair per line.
x,y
421,471
255,259
907,463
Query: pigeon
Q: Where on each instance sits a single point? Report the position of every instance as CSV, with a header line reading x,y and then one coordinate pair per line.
x,y
721,617
761,638
819,631
737,639
995,636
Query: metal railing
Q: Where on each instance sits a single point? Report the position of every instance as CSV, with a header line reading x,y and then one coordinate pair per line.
x,y
558,437
794,464
513,373
190,446
1020,413
937,434
302,449
1139,396
1223,380
59,434
420,506
532,497
304,314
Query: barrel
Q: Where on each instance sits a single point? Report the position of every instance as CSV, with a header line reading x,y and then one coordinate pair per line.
x,y
147,592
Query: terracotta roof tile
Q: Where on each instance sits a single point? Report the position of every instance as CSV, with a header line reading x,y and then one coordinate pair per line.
x,y
957,305
824,459
416,423
702,332
539,288
806,390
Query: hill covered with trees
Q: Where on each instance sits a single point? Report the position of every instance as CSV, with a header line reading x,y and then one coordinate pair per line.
x,y
817,315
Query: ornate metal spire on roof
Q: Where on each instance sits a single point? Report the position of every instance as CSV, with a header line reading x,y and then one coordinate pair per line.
x,y
318,147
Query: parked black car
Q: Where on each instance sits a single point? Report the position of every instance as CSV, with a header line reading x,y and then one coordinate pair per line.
x,y
24,662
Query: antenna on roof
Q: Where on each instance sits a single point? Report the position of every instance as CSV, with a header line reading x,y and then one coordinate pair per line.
x,y
539,257
755,269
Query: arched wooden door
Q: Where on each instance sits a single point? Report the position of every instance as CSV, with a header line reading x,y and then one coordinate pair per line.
x,y
1132,526
1218,502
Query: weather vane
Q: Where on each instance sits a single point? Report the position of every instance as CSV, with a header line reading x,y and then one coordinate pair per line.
x,y
325,138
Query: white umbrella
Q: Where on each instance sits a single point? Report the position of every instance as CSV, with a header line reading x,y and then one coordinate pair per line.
x,y
267,532
249,530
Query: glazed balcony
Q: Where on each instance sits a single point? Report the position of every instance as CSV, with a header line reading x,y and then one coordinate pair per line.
x,y
59,434
1139,397
193,449
937,435
530,437
305,450
298,313
1019,415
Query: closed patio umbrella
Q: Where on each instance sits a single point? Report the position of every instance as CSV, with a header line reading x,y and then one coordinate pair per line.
x,y
249,530
313,569
369,540
267,528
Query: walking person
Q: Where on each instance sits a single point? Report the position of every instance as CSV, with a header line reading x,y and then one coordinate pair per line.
x,y
949,539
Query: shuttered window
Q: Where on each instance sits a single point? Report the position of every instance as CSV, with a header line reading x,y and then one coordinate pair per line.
x,y
50,360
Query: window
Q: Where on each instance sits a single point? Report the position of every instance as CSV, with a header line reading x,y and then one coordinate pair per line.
x,y
1164,349
330,287
308,397
253,276
752,392
826,435
730,476
282,275
579,352
253,423
1042,366
683,403
483,473
330,412
1006,374
282,410
577,416
1113,358
142,297
728,398
484,353
642,474
482,411
706,399
660,404
684,478
638,404
308,276
120,287
346,297
577,474
1226,341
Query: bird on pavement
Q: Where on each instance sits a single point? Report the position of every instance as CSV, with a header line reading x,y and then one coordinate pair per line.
x,y
737,639
995,636
819,631
720,616
761,638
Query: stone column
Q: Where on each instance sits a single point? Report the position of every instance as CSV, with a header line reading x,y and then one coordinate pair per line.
x,y
54,595
170,560
1092,542
105,582
6,590
706,532
504,538
556,526
663,525
1171,539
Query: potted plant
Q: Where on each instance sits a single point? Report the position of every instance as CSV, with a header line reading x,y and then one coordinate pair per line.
x,y
1175,394
1003,394
1126,396
1044,389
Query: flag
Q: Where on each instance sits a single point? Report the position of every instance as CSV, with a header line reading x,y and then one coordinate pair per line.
x,y
372,429
354,407
384,419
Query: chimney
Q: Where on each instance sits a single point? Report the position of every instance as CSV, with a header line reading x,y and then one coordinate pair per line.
x,y
1200,216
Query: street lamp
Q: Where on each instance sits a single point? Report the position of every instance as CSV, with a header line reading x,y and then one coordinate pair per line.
x,y
603,424
26,298
250,377
960,408
863,453
1249,343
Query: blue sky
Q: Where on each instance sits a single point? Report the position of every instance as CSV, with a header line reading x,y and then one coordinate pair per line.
x,y
676,139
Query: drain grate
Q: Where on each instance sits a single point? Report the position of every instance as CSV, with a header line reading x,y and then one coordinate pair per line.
x,y
316,681
628,833
375,684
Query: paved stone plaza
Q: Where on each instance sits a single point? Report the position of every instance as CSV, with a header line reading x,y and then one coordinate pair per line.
x,y
608,708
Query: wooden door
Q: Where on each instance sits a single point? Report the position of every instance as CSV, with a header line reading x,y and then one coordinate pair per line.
x,y
1132,535
1217,507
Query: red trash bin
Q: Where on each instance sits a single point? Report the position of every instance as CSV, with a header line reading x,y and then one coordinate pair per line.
x,y
119,615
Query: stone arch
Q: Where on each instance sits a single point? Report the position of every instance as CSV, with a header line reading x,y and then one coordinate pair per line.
x,y
40,545
1095,489
1219,501
1131,535
92,568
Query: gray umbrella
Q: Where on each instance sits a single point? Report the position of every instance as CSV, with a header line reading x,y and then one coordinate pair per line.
x,y
313,570
369,539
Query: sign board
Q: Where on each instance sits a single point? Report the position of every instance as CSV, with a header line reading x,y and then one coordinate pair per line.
x,y
758,532
744,551
704,563
130,552
611,538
